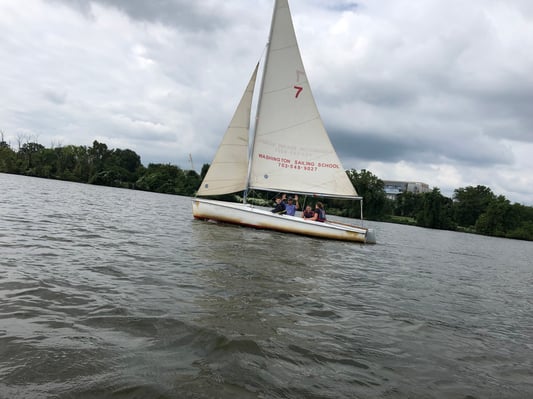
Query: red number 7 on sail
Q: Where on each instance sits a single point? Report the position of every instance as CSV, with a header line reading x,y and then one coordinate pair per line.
x,y
298,90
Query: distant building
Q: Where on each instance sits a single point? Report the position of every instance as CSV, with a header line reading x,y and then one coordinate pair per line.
x,y
394,188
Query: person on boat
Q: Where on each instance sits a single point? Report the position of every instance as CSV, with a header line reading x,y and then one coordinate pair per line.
x,y
308,213
320,213
292,205
280,205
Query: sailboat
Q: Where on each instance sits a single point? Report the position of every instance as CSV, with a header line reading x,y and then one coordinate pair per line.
x,y
288,152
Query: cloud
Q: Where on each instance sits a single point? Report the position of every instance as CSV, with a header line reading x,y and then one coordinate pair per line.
x,y
435,91
183,14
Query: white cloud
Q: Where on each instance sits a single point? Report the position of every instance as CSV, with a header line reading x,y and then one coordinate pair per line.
x,y
435,91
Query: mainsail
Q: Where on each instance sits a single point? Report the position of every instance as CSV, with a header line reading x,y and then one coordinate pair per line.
x,y
292,151
228,171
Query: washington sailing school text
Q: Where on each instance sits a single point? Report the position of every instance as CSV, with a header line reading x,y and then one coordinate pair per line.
x,y
297,164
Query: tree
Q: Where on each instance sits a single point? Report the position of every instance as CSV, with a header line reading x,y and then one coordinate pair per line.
x,y
8,158
470,202
28,154
81,170
499,218
523,232
162,178
192,182
407,204
118,168
45,164
436,211
126,159
203,172
371,188
71,163
122,167
98,154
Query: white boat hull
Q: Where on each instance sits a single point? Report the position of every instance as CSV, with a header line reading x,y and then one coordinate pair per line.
x,y
249,215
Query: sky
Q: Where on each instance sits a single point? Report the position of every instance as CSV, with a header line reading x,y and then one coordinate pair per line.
x,y
434,91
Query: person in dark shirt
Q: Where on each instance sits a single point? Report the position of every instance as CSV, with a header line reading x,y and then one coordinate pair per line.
x,y
320,213
280,206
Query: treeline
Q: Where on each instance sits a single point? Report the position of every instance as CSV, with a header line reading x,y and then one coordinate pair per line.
x,y
97,165
472,209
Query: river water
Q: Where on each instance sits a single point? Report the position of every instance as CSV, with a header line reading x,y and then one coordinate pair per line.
x,y
112,293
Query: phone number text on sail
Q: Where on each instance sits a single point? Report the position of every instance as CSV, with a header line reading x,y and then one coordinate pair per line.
x,y
310,166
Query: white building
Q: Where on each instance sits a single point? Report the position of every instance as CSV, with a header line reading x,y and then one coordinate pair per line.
x,y
394,188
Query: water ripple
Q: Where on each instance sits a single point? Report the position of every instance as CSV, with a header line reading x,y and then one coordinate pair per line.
x,y
109,293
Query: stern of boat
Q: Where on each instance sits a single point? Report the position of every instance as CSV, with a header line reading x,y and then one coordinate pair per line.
x,y
370,236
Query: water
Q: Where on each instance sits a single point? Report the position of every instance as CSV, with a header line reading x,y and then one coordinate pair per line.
x,y
110,293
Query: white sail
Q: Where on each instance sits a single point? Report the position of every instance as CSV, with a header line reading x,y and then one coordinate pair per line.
x,y
291,150
229,169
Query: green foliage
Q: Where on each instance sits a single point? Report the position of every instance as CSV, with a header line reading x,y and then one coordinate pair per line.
x,y
475,209
499,219
408,204
71,163
470,203
522,232
96,165
436,211
371,188
161,178
29,156
205,168
8,158
168,179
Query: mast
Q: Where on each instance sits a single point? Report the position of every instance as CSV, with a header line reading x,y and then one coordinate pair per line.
x,y
257,116
190,161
